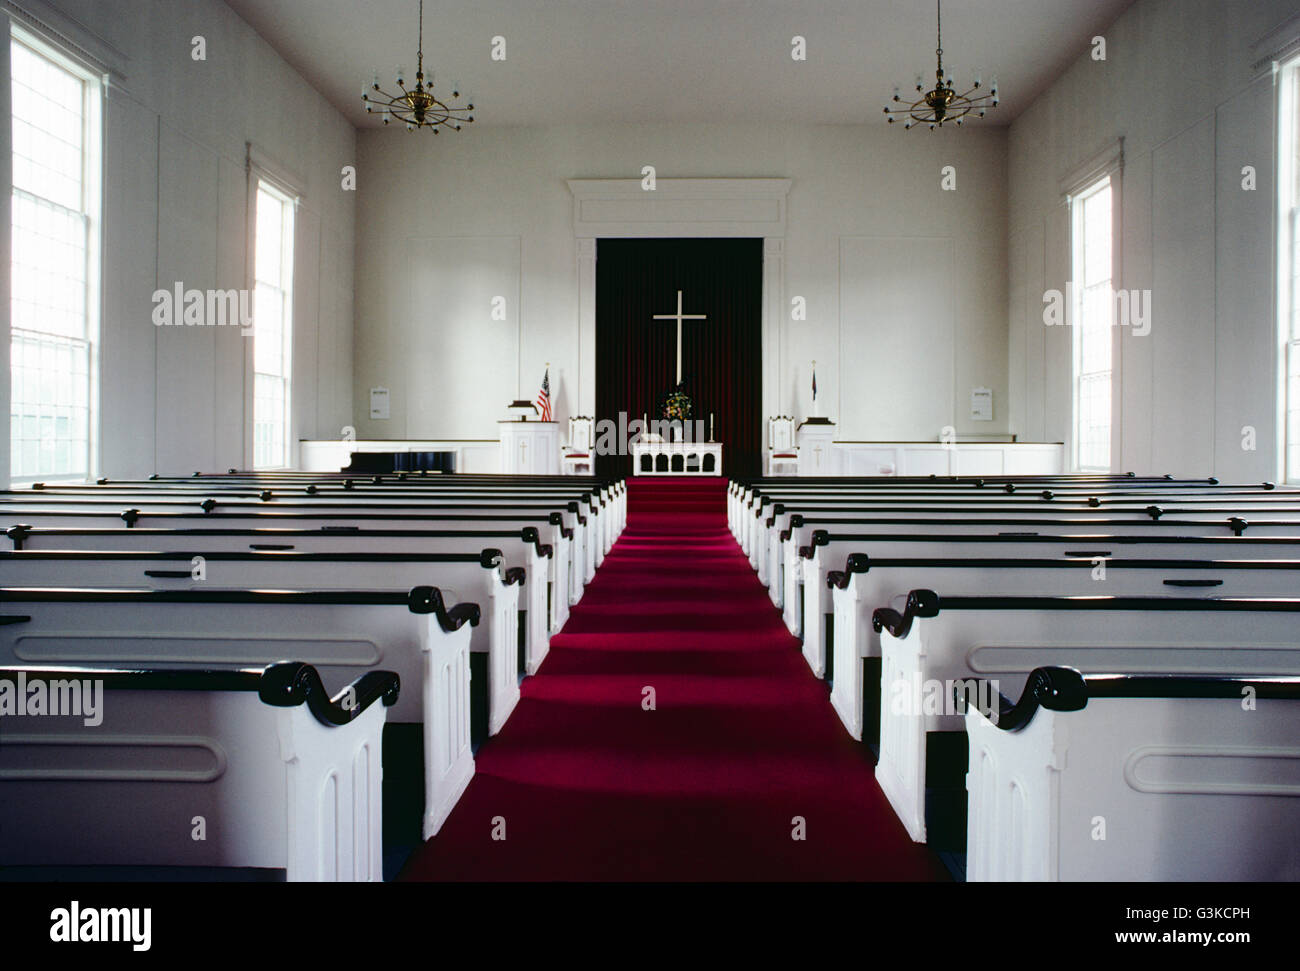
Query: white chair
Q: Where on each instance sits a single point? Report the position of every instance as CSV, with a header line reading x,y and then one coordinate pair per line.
x,y
576,458
782,453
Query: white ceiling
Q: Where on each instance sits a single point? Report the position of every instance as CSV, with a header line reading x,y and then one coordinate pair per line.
x,y
593,61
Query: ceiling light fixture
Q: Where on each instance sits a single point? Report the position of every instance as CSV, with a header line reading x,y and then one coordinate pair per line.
x,y
943,103
415,107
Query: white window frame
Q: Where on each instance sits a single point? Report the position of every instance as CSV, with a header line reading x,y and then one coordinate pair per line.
x,y
1288,245
92,180
1077,202
275,178
1107,162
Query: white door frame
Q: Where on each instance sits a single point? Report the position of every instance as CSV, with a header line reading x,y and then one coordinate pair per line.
x,y
680,208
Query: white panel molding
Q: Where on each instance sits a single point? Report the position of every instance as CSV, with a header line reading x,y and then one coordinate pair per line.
x,y
161,756
459,275
1211,770
939,377
679,207
674,209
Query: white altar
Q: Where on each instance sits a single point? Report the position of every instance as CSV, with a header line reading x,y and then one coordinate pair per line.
x,y
676,458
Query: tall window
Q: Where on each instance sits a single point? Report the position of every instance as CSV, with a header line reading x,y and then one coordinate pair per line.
x,y
1094,305
1288,276
272,326
55,263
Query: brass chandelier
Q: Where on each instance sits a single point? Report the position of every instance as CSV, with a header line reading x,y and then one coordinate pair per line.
x,y
415,107
942,103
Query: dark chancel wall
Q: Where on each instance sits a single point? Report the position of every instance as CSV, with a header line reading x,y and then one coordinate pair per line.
x,y
722,361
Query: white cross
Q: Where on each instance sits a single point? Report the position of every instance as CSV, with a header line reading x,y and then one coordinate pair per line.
x,y
679,317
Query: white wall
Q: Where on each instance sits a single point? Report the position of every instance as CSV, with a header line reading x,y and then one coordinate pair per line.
x,y
864,199
1178,86
175,196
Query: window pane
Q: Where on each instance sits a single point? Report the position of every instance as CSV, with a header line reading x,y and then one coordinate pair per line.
x,y
49,267
268,330
1289,266
1295,258
50,299
268,421
272,322
1094,230
1097,238
1094,421
48,120
270,219
49,414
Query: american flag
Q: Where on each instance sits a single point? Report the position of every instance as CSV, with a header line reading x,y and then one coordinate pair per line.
x,y
544,396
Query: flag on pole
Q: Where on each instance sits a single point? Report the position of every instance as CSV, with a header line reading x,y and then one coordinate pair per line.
x,y
544,396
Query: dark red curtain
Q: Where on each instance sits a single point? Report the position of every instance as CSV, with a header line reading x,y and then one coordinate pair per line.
x,y
722,356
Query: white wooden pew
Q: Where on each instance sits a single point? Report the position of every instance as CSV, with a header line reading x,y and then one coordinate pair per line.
x,y
609,494
540,620
937,641
785,529
572,562
974,517
483,577
276,773
605,503
1124,777
755,514
811,598
745,498
340,633
867,583
866,492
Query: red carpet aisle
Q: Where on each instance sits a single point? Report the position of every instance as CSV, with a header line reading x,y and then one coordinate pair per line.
x,y
593,787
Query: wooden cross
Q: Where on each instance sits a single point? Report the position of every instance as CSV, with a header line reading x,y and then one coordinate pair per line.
x,y
679,317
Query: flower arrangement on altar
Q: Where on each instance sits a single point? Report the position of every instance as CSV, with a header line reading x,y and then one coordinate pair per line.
x,y
677,406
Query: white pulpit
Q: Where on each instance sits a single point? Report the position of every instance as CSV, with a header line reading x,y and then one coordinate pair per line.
x,y
530,447
816,455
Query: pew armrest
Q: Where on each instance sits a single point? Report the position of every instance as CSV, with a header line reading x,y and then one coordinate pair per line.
x,y
920,603
428,600
292,683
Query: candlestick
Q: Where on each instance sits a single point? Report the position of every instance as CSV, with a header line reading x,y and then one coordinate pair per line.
x,y
710,426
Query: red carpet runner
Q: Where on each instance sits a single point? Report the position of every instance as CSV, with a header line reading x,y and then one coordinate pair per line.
x,y
589,785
